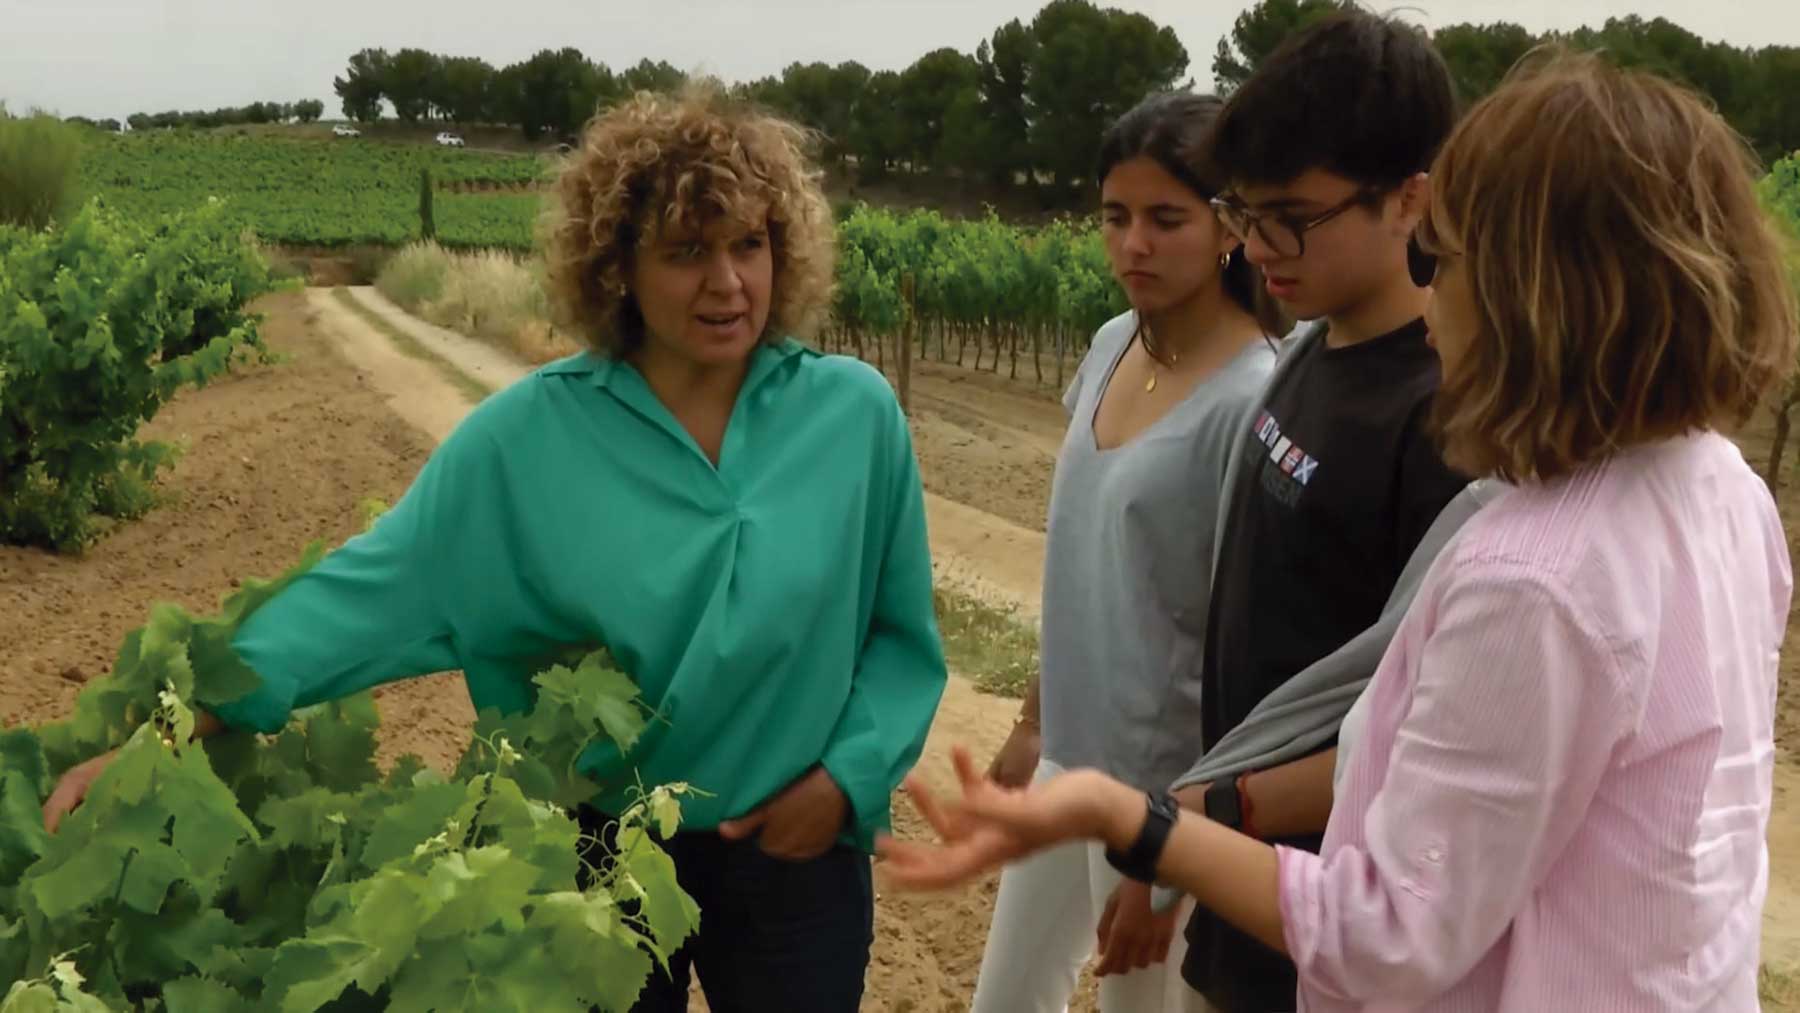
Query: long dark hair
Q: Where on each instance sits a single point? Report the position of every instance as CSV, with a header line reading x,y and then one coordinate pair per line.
x,y
1175,130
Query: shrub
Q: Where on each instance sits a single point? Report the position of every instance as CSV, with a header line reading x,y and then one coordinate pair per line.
x,y
415,276
40,160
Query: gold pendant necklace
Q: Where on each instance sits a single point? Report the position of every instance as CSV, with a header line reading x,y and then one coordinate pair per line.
x,y
1155,363
1150,384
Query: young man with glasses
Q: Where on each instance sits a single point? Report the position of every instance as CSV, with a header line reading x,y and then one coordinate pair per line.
x,y
1335,483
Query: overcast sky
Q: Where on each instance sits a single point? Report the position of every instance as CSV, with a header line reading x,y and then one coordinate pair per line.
x,y
103,58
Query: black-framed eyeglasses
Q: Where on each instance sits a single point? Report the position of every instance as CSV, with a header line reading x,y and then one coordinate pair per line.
x,y
1283,232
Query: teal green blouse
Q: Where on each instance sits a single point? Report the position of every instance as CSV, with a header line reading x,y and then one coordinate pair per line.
x,y
776,609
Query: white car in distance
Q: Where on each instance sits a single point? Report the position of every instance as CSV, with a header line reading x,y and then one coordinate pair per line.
x,y
343,131
450,140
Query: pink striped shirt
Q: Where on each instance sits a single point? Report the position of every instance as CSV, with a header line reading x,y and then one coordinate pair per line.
x,y
1560,797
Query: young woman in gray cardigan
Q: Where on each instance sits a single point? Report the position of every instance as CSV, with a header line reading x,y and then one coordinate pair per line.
x,y
1163,394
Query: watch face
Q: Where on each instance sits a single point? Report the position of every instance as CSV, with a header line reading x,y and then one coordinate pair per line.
x,y
1164,805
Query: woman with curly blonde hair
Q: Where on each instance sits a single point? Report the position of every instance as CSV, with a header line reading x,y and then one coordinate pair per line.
x,y
736,517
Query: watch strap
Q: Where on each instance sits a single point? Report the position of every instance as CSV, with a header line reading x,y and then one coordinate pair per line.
x,y
1140,860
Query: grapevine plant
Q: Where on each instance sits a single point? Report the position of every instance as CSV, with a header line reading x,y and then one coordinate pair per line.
x,y
102,321
289,873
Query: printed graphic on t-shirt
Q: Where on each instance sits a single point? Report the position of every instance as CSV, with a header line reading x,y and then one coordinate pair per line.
x,y
1289,467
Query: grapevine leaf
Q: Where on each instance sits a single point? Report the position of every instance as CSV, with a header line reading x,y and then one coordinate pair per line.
x,y
22,756
23,839
242,967
305,820
586,936
207,826
163,658
670,913
149,873
87,877
177,940
131,777
308,973
203,995
513,972
405,770
388,917
543,836
15,945
475,889
220,674
340,743
596,698
418,816
665,810
437,979
29,997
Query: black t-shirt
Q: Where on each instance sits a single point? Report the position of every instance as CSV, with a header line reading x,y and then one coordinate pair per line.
x,y
1338,483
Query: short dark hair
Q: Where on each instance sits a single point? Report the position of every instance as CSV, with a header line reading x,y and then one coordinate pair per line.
x,y
1364,97
1175,130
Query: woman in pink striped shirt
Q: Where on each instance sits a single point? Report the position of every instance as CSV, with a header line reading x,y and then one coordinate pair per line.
x,y
1559,792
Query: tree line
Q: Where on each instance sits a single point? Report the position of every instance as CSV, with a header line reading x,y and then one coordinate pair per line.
x,y
1756,89
1027,107
303,111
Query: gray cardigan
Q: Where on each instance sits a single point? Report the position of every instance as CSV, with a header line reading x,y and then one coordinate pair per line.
x,y
1304,713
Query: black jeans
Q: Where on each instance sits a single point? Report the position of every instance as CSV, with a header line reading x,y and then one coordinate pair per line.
x,y
774,937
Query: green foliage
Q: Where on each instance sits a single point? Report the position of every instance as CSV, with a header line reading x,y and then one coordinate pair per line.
x,y
1780,193
1261,30
1479,56
466,89
360,88
305,111
1757,90
40,158
414,277
555,92
658,76
101,322
928,91
993,646
287,873
320,193
1089,67
983,279
409,81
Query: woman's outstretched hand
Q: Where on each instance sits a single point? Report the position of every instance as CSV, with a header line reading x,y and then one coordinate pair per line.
x,y
72,788
992,825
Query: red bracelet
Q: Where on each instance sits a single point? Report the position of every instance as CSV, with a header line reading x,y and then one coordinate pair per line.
x,y
1245,826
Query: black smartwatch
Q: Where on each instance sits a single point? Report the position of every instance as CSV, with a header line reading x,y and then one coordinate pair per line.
x,y
1223,805
1139,862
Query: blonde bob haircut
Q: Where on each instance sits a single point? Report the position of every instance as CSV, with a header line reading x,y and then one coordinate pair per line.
x,y
1628,287
659,165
